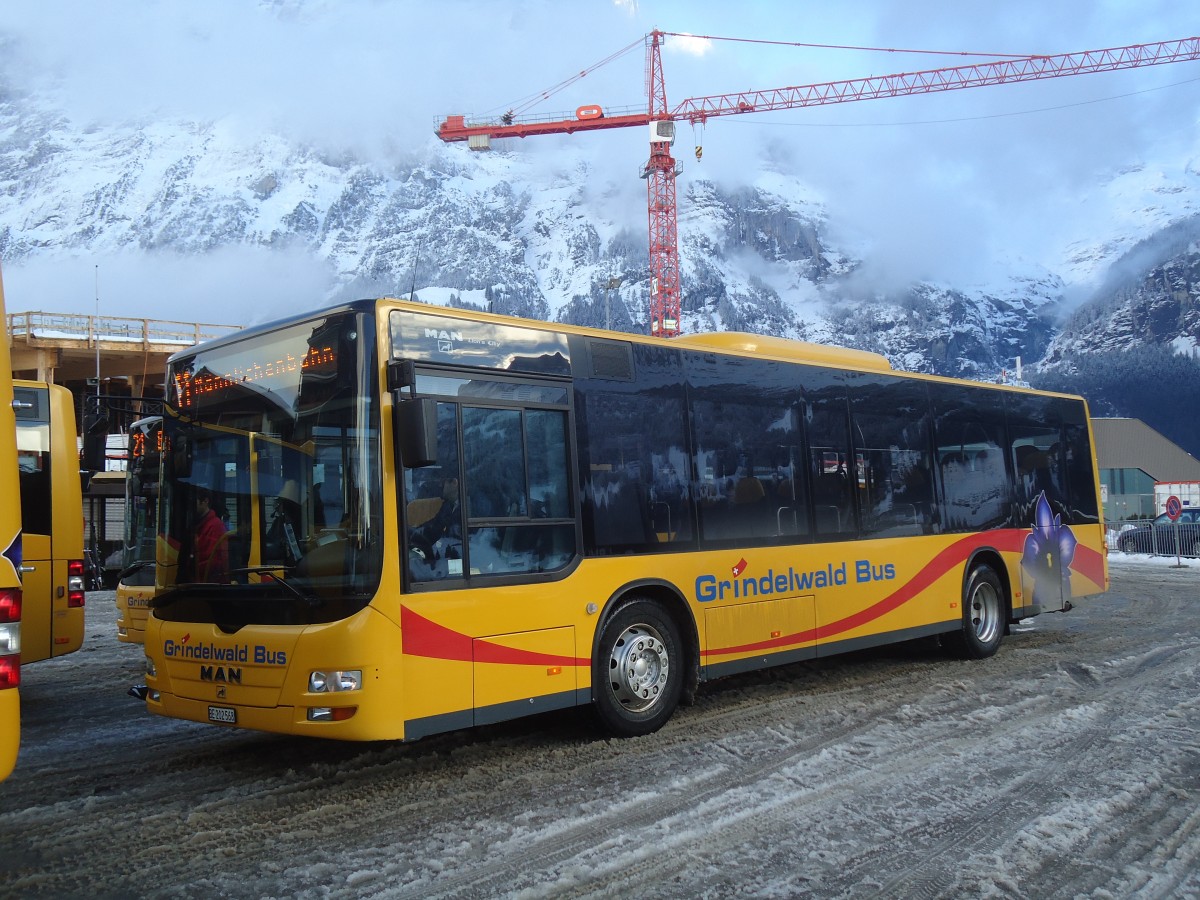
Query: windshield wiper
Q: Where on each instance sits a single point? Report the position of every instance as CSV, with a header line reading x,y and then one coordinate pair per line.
x,y
188,589
272,573
134,567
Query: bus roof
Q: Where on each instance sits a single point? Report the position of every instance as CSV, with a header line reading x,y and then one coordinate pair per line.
x,y
783,349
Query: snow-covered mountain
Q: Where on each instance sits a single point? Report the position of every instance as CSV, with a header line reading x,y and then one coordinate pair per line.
x,y
546,237
1151,297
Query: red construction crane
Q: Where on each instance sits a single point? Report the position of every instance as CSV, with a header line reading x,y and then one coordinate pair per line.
x,y
661,169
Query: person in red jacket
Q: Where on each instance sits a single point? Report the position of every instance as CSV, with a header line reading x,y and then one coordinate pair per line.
x,y
209,544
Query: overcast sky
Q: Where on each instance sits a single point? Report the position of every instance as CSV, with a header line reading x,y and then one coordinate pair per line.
x,y
953,177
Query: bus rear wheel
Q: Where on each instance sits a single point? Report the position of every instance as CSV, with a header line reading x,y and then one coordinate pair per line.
x,y
984,611
637,675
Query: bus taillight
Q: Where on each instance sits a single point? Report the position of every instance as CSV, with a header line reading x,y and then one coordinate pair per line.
x,y
10,638
10,605
75,593
10,666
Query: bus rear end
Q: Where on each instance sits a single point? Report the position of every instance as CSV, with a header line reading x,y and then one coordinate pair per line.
x,y
10,568
53,573
10,674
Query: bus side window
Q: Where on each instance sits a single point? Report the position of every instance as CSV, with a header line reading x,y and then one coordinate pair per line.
x,y
433,506
747,464
829,449
497,486
1037,460
518,510
893,449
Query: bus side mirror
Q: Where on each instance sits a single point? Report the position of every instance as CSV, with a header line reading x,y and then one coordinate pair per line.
x,y
95,442
414,428
180,456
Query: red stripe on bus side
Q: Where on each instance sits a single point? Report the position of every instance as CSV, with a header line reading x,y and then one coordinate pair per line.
x,y
1008,539
424,637
1089,564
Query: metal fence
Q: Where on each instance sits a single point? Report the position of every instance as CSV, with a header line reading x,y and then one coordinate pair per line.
x,y
1172,539
26,326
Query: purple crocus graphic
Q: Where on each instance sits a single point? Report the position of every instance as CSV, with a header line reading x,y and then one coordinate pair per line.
x,y
1049,551
13,553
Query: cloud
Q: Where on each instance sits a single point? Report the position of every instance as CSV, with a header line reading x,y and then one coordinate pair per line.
x,y
688,44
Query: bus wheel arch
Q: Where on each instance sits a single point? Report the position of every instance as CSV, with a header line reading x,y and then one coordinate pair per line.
x,y
995,562
644,660
986,608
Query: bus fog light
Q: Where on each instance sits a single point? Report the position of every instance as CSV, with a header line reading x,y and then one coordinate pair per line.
x,y
331,713
154,696
330,682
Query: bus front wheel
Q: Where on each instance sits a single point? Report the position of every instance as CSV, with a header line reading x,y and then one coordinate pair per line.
x,y
637,675
984,613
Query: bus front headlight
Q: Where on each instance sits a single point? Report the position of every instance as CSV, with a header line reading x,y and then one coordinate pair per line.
x,y
324,682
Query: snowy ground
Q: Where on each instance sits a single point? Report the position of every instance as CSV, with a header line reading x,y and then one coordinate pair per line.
x,y
1066,766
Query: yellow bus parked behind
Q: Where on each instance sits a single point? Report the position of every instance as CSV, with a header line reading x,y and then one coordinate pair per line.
x,y
10,567
51,519
135,583
385,520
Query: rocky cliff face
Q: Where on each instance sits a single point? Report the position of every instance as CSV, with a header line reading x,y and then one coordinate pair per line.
x,y
1151,299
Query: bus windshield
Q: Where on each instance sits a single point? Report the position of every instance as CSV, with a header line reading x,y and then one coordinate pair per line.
x,y
141,502
271,497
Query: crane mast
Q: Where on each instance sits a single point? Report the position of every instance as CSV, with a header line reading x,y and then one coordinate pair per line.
x,y
661,169
660,172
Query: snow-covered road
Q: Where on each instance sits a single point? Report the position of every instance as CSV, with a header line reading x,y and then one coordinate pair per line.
x,y
1066,766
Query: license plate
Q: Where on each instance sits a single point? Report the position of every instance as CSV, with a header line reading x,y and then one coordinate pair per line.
x,y
222,714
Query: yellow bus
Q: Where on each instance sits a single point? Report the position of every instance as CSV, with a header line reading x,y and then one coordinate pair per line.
x,y
386,520
52,520
10,567
135,582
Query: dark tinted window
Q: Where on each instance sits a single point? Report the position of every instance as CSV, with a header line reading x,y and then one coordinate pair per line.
x,y
1082,502
894,479
634,472
31,406
830,466
749,485
1036,455
970,461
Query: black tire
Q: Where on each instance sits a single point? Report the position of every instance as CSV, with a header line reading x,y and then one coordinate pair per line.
x,y
984,615
1126,545
637,675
